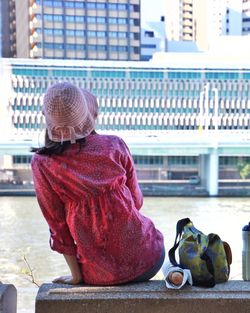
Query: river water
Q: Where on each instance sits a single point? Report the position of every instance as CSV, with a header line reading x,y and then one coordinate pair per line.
x,y
24,233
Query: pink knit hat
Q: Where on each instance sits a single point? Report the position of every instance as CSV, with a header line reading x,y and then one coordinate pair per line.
x,y
66,111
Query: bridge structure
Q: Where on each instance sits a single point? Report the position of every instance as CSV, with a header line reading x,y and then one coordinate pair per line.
x,y
208,145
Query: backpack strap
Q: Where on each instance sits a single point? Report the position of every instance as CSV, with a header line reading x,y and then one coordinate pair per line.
x,y
206,283
205,257
179,229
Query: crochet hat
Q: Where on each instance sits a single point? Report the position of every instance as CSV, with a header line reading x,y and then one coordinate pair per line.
x,y
66,113
92,103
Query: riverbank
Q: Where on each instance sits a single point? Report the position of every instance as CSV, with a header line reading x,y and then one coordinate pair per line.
x,y
149,190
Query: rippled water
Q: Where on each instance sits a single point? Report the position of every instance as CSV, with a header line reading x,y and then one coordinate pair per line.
x,y
24,232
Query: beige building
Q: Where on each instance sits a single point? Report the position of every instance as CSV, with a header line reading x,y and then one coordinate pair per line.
x,y
72,29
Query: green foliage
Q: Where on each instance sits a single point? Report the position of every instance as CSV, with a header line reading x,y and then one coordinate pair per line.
x,y
244,170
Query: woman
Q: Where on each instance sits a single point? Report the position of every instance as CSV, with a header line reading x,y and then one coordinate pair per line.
x,y
88,192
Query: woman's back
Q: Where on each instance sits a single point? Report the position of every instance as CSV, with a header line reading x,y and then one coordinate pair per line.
x,y
97,192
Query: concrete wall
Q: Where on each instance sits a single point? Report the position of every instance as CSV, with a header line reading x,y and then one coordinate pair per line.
x,y
153,296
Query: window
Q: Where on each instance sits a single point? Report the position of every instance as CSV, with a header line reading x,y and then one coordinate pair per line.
x,y
69,4
91,19
184,75
122,21
149,34
79,19
48,31
70,32
101,6
48,17
122,48
53,17
91,33
70,18
79,33
101,20
57,3
112,6
58,18
148,160
48,3
122,7
22,159
91,5
70,46
79,5
97,47
113,34
122,35
101,34
112,20
58,32
182,160
148,46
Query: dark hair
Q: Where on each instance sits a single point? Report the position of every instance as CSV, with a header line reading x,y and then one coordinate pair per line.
x,y
52,147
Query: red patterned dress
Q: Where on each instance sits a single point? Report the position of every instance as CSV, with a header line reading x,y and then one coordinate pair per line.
x,y
91,200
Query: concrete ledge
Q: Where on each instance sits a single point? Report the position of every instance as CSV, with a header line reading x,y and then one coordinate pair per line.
x,y
153,296
8,298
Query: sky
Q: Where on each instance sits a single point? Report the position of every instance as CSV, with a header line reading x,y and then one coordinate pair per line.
x,y
151,10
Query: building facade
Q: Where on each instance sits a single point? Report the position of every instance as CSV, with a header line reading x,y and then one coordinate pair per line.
x,y
179,94
72,29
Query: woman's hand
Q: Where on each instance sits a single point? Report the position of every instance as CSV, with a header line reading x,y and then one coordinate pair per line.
x,y
76,275
68,280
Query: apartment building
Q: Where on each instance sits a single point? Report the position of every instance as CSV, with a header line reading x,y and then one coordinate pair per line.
x,y
72,29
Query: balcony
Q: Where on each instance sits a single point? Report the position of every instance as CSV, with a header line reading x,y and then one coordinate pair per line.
x,y
36,53
35,38
35,23
187,15
35,9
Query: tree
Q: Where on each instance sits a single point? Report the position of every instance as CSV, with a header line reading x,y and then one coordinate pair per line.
x,y
244,170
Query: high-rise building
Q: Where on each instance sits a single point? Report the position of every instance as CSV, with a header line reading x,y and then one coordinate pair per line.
x,y
179,20
72,29
202,21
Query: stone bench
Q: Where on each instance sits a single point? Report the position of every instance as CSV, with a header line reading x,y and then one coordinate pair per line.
x,y
149,297
8,298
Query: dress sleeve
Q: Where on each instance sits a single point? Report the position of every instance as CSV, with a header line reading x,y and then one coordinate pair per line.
x,y
132,182
53,210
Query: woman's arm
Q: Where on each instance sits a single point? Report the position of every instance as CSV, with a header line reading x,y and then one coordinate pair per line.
x,y
76,276
53,210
